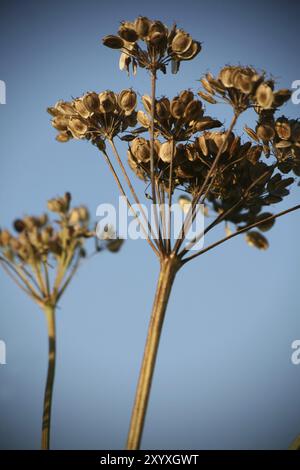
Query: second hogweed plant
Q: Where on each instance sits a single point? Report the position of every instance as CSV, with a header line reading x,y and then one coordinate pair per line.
x,y
42,256
176,148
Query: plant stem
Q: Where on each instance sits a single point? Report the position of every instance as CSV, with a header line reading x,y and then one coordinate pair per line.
x,y
50,317
152,172
168,269
202,193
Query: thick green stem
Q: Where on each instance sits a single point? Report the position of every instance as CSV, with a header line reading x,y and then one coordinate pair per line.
x,y
168,269
50,317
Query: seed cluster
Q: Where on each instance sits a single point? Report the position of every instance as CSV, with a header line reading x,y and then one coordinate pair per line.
x,y
36,238
94,116
242,88
280,137
37,244
162,45
236,179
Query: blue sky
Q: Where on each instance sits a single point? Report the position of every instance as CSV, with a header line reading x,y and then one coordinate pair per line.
x,y
224,377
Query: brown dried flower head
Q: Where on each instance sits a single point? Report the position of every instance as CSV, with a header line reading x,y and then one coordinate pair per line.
x,y
94,116
242,88
152,45
38,244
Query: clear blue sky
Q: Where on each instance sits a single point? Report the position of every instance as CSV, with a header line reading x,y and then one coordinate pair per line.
x,y
224,378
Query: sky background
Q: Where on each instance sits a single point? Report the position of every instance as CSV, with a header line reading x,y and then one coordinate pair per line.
x,y
224,377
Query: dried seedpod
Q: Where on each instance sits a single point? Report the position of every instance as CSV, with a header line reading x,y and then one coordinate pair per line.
x,y
258,240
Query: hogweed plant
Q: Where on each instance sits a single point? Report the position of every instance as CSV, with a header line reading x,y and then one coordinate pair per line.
x,y
236,179
42,257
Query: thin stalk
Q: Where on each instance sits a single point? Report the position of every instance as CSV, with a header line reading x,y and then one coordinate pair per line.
x,y
223,215
132,190
170,200
50,317
119,184
168,269
238,232
153,187
191,213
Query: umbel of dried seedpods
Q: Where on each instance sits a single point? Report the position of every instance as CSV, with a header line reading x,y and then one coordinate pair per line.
x,y
175,147
42,256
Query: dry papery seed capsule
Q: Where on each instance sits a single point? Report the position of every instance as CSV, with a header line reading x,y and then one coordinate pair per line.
x,y
264,96
205,123
143,119
140,149
162,109
193,111
265,132
207,97
177,108
81,108
186,96
207,86
63,137
166,152
5,237
107,101
181,42
142,26
127,101
114,42
257,240
191,52
91,101
251,133
243,83
78,128
265,226
283,129
19,225
127,32
281,97
64,107
54,205
225,76
146,100
60,123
